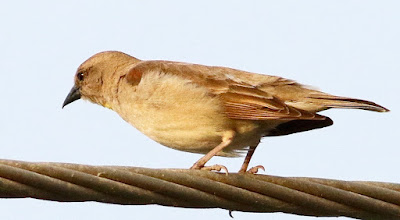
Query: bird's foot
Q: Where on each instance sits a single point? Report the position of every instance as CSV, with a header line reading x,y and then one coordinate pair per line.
x,y
215,167
253,170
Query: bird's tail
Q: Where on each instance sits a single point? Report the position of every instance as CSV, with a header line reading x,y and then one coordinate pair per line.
x,y
330,101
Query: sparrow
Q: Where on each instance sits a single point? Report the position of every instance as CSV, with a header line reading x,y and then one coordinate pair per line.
x,y
216,111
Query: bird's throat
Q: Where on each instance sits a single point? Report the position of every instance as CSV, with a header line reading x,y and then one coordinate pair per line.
x,y
107,105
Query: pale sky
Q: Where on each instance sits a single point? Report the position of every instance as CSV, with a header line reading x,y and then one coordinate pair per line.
x,y
348,48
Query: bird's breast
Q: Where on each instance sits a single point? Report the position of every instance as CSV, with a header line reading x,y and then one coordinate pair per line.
x,y
173,112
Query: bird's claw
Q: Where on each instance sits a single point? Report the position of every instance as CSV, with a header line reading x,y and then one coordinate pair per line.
x,y
255,169
252,170
215,167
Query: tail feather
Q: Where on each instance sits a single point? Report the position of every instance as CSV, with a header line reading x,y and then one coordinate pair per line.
x,y
344,102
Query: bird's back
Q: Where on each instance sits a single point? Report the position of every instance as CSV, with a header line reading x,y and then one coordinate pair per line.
x,y
219,79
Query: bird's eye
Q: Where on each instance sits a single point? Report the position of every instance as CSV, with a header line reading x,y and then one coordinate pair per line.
x,y
80,76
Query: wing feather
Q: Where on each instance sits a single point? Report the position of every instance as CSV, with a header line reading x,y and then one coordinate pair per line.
x,y
240,97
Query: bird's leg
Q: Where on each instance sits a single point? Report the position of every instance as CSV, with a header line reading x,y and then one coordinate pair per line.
x,y
226,140
247,159
246,162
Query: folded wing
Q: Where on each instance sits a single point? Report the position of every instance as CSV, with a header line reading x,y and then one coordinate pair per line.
x,y
241,96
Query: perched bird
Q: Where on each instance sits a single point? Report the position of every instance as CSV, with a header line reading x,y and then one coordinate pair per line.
x,y
204,109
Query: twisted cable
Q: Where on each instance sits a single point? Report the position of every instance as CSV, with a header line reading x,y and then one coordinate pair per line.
x,y
199,189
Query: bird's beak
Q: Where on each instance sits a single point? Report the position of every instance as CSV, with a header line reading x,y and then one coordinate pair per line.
x,y
73,95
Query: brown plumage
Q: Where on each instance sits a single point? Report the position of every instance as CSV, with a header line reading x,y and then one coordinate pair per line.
x,y
203,109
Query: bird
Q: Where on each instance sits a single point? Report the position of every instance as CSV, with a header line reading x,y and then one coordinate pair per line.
x,y
210,110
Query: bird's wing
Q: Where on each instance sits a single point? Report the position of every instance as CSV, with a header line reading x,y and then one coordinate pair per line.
x,y
238,90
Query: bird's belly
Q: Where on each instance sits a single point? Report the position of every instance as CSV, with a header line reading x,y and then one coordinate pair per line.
x,y
195,137
176,114
182,116
192,130
183,130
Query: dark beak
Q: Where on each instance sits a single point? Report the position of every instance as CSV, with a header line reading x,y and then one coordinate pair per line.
x,y
73,95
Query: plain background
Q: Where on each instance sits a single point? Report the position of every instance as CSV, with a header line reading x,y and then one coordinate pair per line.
x,y
348,48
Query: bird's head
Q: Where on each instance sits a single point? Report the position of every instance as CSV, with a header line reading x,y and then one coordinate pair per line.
x,y
97,75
